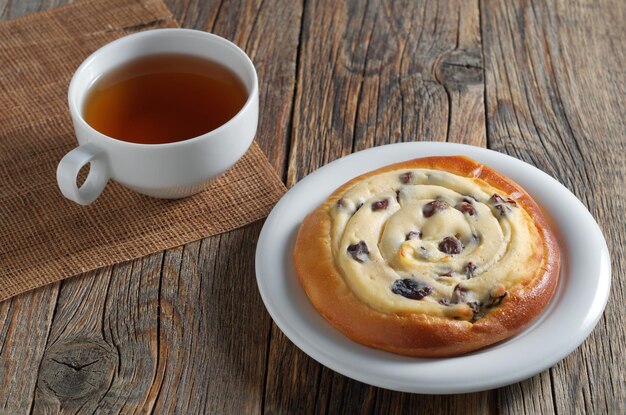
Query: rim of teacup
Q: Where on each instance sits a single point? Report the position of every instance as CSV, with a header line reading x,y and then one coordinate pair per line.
x,y
72,90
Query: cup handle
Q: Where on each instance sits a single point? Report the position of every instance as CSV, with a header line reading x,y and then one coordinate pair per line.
x,y
70,165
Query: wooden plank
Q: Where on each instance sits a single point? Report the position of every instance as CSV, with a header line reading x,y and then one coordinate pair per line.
x,y
376,73
24,328
88,349
25,319
370,74
211,328
555,87
461,72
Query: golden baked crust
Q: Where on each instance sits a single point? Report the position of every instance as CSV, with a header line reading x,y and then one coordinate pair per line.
x,y
443,327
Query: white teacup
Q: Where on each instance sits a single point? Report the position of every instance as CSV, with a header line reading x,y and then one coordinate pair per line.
x,y
171,170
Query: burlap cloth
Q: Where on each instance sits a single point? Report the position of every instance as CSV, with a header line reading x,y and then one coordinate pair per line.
x,y
44,237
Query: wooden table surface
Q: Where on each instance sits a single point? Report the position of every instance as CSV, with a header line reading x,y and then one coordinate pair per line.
x,y
186,329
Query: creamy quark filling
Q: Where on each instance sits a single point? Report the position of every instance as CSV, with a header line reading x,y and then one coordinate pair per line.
x,y
431,242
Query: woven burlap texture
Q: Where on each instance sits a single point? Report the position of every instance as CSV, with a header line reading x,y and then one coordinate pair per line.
x,y
44,237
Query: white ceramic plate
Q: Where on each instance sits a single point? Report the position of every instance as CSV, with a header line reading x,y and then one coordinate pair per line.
x,y
573,312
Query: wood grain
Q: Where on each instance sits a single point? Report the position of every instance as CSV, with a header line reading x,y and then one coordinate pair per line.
x,y
185,330
24,329
555,98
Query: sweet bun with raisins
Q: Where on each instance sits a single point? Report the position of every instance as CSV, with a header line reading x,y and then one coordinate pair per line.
x,y
431,257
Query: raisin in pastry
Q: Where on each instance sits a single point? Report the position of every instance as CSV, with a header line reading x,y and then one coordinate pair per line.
x,y
436,256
